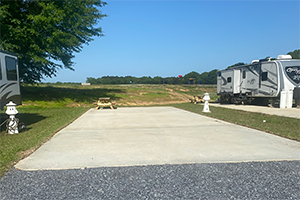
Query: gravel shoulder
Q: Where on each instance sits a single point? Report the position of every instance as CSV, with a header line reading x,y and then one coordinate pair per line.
x,y
247,180
224,179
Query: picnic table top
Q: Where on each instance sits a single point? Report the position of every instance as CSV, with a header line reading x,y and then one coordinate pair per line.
x,y
104,98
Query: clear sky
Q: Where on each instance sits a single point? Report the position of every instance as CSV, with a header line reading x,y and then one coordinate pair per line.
x,y
170,38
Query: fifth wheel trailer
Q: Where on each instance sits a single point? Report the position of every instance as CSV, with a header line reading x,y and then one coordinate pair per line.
x,y
261,81
9,79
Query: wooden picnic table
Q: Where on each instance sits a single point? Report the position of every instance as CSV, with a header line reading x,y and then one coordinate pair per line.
x,y
105,102
197,99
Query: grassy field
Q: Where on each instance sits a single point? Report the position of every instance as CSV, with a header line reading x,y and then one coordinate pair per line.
x,y
126,95
49,107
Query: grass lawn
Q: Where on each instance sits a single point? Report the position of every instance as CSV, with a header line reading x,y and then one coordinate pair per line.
x,y
42,124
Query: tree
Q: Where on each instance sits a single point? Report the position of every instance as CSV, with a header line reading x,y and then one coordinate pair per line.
x,y
192,74
91,80
295,54
157,80
213,76
45,34
237,64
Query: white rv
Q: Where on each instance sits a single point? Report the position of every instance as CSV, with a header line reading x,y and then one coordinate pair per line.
x,y
261,81
9,79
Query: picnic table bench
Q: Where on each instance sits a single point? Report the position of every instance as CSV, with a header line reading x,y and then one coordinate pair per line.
x,y
105,102
197,99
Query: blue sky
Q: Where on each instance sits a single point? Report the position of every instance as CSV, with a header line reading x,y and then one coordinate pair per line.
x,y
171,38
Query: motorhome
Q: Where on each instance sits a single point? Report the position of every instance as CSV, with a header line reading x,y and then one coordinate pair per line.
x,y
261,81
9,79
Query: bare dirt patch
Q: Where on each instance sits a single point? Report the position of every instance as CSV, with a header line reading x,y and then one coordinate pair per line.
x,y
77,105
184,90
24,154
171,96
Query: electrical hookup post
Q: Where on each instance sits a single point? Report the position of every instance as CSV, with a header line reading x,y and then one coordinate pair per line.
x,y
206,98
13,122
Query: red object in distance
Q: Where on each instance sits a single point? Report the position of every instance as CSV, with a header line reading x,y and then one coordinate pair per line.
x,y
180,76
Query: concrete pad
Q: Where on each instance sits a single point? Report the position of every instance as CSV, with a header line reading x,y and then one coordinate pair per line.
x,y
155,135
286,112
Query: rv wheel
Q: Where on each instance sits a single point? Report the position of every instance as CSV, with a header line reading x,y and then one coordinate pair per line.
x,y
232,100
222,99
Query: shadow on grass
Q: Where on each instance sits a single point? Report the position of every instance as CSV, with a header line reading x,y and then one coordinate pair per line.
x,y
26,118
50,93
30,118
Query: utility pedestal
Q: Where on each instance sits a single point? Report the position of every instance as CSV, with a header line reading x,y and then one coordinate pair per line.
x,y
206,98
286,99
12,121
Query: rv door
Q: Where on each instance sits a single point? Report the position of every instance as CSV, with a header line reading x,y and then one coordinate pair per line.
x,y
269,79
236,81
219,82
243,80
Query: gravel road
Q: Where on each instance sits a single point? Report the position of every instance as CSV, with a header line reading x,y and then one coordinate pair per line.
x,y
246,180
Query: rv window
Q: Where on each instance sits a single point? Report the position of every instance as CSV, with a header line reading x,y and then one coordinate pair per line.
x,y
229,80
11,68
219,73
264,76
244,74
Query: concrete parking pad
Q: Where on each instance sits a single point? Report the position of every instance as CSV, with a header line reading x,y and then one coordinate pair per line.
x,y
155,135
286,112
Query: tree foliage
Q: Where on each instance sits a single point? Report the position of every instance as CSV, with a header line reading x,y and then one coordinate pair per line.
x,y
236,64
204,78
295,54
129,80
193,74
45,34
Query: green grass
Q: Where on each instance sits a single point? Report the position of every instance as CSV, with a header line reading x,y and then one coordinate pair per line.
x,y
60,95
278,125
42,123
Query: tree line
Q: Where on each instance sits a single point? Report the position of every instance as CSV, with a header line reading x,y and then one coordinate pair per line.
x,y
295,55
190,78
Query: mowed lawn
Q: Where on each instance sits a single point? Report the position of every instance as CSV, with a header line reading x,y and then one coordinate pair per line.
x,y
47,108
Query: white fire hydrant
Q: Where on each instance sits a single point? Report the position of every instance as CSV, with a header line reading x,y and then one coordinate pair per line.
x,y
206,98
12,121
